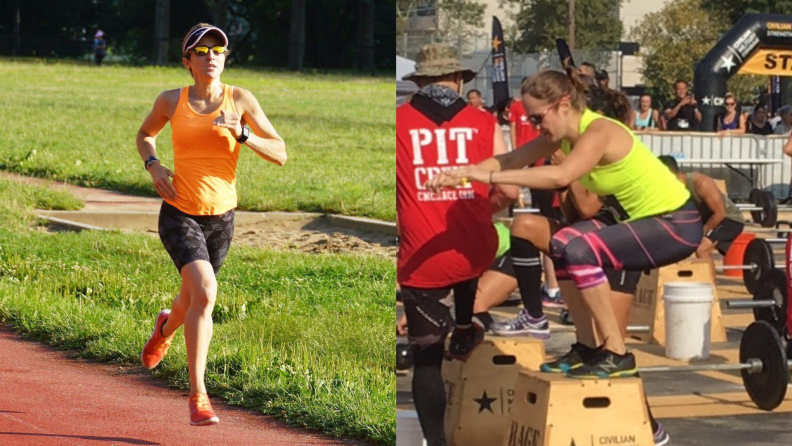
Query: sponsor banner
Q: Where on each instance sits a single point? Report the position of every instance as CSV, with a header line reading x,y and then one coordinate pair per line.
x,y
769,63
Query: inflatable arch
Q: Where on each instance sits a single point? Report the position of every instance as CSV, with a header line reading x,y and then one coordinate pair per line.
x,y
757,44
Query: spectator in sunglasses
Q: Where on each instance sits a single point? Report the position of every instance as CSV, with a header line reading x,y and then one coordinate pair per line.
x,y
731,122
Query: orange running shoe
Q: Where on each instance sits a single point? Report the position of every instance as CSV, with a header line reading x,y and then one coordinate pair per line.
x,y
157,346
201,413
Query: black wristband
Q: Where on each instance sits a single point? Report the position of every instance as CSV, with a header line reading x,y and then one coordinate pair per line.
x,y
245,135
149,161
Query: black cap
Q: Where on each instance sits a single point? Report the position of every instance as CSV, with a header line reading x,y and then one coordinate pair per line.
x,y
602,74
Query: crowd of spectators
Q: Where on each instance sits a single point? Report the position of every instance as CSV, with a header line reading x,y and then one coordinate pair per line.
x,y
679,114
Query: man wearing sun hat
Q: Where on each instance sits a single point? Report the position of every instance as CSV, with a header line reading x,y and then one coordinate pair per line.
x,y
447,240
100,47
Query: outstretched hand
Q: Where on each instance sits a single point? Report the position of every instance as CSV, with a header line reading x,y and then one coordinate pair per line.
x,y
457,177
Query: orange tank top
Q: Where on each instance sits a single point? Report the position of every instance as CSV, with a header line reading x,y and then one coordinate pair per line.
x,y
204,158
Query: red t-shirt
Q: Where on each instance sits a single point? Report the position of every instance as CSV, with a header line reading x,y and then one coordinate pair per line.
x,y
525,130
446,238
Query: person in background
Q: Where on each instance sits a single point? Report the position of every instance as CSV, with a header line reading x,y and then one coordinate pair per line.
x,y
723,221
731,122
646,118
522,132
682,114
759,124
603,79
475,100
784,125
100,47
588,69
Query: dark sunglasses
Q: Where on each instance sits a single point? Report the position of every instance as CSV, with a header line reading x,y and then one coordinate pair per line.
x,y
203,50
536,119
730,103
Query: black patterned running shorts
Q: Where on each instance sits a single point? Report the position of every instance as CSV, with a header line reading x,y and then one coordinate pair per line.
x,y
195,237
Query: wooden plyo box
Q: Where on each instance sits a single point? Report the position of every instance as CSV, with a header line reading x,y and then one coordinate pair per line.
x,y
552,410
479,392
648,307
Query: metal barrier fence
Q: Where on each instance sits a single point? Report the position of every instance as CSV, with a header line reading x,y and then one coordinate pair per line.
x,y
761,159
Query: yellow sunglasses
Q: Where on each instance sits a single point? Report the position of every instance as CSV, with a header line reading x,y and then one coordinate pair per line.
x,y
203,50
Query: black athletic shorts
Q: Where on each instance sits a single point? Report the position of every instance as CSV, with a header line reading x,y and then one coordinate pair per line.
x,y
427,309
195,237
725,233
620,281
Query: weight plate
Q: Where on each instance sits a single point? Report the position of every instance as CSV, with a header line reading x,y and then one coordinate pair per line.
x,y
767,388
769,212
404,356
752,195
758,253
753,198
773,287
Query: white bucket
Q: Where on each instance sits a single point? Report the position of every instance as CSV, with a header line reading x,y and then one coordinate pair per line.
x,y
688,318
408,429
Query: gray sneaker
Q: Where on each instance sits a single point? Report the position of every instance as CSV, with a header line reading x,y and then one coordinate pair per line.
x,y
661,437
524,325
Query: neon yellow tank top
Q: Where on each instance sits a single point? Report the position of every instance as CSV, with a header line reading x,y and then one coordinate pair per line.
x,y
641,184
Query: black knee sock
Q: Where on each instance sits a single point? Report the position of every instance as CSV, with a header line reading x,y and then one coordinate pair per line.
x,y
484,318
429,394
528,269
464,294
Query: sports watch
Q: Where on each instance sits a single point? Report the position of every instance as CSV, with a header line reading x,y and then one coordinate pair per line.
x,y
149,161
245,135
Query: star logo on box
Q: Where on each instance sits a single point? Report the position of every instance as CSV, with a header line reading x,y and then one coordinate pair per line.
x,y
485,402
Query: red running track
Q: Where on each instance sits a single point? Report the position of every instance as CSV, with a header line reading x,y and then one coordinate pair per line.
x,y
48,398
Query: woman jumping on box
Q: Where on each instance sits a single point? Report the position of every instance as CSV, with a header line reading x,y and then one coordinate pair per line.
x,y
196,221
655,222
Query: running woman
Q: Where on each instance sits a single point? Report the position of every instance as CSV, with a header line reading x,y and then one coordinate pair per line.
x,y
196,222
656,222
447,239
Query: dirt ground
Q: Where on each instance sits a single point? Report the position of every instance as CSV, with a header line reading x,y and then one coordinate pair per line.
x,y
314,236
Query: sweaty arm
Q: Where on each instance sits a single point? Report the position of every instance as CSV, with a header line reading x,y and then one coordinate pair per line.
x,y
589,149
263,139
710,195
164,107
501,195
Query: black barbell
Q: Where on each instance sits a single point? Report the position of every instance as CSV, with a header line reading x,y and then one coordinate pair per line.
x,y
763,365
757,261
770,302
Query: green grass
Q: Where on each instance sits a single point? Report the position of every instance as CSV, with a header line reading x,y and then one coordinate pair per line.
x,y
78,123
37,196
307,338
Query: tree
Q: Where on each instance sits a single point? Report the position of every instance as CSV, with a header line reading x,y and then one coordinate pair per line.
x,y
162,30
597,24
735,9
674,39
297,35
460,20
365,50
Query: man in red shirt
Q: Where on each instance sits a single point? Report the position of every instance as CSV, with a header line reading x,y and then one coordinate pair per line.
x,y
447,240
